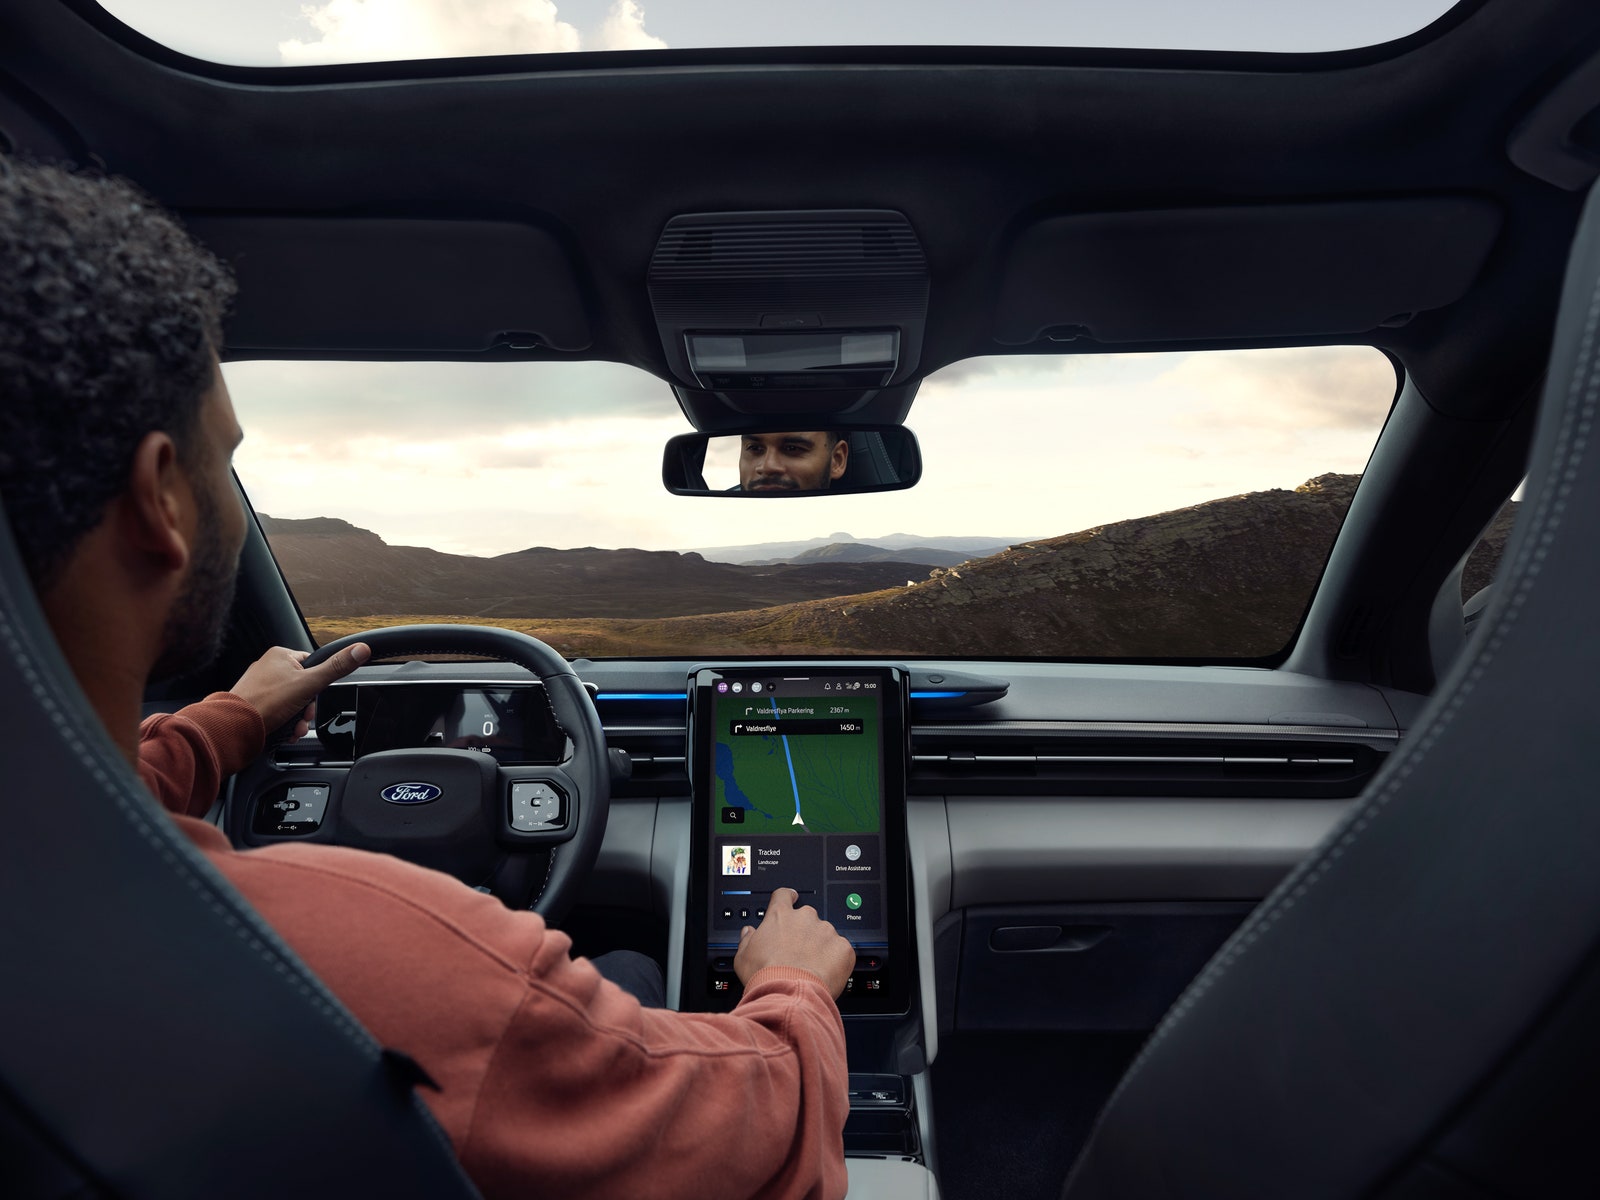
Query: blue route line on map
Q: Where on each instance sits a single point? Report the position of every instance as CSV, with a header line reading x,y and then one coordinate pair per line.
x,y
789,758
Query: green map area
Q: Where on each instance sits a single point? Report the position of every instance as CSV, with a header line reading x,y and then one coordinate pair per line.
x,y
831,781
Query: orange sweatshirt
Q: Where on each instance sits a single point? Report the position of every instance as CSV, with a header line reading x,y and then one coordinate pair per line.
x,y
552,1081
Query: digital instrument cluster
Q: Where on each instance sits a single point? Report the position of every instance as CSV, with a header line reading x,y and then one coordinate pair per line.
x,y
510,722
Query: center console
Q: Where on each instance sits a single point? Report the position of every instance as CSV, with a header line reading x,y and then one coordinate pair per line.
x,y
798,777
798,781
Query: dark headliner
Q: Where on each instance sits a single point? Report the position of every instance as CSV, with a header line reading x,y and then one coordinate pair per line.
x,y
973,146
970,145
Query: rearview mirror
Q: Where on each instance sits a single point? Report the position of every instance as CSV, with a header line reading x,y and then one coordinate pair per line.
x,y
790,462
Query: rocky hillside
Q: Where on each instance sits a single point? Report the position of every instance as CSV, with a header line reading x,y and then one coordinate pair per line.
x,y
1485,557
337,569
1228,578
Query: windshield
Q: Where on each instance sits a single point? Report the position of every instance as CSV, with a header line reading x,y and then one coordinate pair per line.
x,y
298,33
1086,506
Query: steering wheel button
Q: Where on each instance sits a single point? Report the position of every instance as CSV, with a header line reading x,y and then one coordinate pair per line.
x,y
297,810
535,806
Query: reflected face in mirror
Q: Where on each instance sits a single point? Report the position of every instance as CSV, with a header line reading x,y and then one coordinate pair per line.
x,y
792,462
864,458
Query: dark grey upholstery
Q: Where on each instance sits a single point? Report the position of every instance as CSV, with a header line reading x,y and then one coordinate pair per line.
x,y
871,463
158,1039
1413,1013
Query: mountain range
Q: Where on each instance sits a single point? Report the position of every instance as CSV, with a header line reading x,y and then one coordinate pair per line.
x,y
1229,578
338,569
898,547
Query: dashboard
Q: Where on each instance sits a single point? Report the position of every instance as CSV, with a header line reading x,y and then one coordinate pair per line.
x,y
1046,830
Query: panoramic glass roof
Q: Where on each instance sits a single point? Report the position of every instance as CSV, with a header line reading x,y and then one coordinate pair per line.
x,y
304,32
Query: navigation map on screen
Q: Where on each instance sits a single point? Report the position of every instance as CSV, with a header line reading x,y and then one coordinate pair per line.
x,y
797,801
798,764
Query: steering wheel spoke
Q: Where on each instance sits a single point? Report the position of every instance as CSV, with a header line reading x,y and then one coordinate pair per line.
x,y
540,806
459,811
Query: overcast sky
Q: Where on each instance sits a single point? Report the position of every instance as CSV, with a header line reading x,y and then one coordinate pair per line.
x,y
485,458
488,458
276,32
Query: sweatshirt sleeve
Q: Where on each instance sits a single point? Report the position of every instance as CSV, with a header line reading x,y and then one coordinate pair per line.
x,y
185,756
551,1080
594,1095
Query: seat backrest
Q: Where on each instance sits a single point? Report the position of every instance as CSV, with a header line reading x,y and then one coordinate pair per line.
x,y
1414,1012
871,464
157,1038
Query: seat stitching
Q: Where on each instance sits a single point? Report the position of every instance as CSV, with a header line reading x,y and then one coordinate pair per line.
x,y
1571,443
140,822
549,869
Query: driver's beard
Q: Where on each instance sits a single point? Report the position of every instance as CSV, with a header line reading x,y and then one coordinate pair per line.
x,y
192,638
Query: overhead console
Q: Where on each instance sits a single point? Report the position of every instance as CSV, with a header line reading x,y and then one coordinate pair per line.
x,y
799,782
789,312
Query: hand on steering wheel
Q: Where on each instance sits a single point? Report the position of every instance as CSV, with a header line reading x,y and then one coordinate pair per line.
x,y
457,809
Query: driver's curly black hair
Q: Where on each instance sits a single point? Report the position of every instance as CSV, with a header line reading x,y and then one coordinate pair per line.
x,y
109,315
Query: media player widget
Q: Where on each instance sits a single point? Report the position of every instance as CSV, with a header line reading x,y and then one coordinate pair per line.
x,y
750,871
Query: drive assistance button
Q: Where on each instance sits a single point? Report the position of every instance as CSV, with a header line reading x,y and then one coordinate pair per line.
x,y
535,807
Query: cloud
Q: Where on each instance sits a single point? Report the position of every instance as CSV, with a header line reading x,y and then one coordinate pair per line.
x,y
1062,369
623,29
489,457
385,30
330,404
440,489
1313,387
513,458
997,367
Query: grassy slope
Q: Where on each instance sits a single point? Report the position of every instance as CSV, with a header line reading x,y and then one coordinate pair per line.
x,y
1229,578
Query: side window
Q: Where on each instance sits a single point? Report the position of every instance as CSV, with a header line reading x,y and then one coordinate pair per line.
x,y
1485,557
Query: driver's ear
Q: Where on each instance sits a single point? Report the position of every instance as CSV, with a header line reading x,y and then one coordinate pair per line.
x,y
841,458
153,509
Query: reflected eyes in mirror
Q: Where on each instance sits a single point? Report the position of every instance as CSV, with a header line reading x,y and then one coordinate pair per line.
x,y
793,462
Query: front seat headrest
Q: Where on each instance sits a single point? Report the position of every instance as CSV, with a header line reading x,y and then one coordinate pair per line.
x,y
1411,1012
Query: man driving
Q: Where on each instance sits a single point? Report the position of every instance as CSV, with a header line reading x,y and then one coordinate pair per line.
x,y
116,434
775,463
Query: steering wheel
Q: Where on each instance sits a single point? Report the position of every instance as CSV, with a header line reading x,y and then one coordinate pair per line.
x,y
460,810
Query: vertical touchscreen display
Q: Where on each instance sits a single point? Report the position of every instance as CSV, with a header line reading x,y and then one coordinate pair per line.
x,y
796,782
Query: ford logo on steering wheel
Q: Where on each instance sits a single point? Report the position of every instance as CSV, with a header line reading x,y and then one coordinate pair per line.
x,y
411,793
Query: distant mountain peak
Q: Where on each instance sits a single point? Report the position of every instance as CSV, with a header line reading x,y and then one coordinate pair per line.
x,y
315,526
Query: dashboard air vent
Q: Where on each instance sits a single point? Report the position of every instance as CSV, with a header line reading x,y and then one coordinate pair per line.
x,y
948,760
